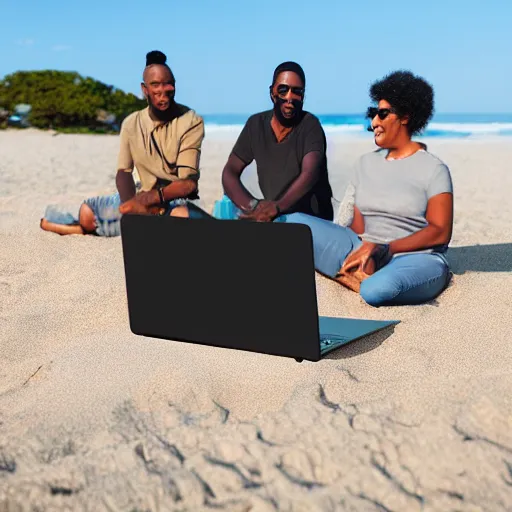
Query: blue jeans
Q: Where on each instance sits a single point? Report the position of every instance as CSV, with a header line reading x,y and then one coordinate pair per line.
x,y
406,279
106,213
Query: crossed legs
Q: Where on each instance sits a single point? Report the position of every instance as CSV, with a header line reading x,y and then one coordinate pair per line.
x,y
406,279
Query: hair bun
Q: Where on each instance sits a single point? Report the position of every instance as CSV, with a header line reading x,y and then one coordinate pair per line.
x,y
155,57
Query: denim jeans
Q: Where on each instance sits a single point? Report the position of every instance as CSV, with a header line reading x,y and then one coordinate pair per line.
x,y
406,279
106,213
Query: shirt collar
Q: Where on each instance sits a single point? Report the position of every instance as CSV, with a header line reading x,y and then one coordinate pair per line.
x,y
148,123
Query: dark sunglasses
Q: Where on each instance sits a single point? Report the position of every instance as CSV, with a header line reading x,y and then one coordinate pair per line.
x,y
381,112
283,89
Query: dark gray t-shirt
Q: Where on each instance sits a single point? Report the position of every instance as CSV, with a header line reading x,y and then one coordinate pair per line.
x,y
280,164
392,195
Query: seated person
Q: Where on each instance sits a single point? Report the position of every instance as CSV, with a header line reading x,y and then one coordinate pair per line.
x,y
97,215
289,147
163,141
392,253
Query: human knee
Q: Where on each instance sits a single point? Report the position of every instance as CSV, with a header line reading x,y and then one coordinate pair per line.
x,y
298,218
377,293
86,218
180,211
44,224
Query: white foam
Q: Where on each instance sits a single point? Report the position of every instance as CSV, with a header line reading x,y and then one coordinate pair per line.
x,y
223,127
447,128
335,128
471,127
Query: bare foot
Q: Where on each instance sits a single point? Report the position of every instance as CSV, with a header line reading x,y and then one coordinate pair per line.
x,y
352,280
348,280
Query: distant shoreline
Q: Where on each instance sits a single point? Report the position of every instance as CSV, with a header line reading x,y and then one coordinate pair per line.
x,y
231,132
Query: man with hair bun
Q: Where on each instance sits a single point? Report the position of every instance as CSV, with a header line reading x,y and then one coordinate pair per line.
x,y
163,141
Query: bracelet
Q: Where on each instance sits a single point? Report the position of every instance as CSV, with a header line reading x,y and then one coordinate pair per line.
x,y
161,195
253,203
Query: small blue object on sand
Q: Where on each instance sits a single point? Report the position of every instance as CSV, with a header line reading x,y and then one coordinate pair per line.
x,y
225,209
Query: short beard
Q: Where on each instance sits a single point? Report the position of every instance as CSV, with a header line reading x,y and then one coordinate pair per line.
x,y
162,115
287,122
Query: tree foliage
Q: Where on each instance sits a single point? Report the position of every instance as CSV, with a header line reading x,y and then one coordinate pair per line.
x,y
63,99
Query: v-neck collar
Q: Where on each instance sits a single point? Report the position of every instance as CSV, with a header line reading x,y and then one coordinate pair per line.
x,y
273,135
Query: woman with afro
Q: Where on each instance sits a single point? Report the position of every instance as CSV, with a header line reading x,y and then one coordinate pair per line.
x,y
391,252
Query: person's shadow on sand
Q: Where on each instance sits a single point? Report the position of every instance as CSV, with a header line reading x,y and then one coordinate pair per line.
x,y
480,258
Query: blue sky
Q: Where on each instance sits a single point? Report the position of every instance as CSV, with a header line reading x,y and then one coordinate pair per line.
x,y
223,52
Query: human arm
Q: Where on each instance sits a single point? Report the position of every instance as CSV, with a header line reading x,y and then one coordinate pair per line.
x,y
232,184
125,184
357,225
267,211
313,147
187,169
438,231
313,157
151,198
309,174
439,216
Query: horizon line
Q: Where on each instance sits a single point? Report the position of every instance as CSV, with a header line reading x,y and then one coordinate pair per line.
x,y
354,113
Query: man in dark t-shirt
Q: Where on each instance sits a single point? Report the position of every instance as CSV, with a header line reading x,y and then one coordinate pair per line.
x,y
289,147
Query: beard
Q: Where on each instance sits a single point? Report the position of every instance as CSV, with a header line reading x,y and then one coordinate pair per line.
x,y
287,122
162,115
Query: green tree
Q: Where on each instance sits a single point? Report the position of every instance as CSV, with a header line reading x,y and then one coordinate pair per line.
x,y
63,99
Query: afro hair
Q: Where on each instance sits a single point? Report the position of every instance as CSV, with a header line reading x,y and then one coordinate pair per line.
x,y
409,95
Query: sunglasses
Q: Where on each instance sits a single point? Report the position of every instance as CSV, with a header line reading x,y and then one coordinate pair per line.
x,y
381,112
283,89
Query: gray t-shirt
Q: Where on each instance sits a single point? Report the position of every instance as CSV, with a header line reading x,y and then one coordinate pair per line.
x,y
392,195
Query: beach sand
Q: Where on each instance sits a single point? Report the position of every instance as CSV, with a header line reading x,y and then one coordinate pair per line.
x,y
93,417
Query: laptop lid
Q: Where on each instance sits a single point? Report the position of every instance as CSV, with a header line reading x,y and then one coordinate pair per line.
x,y
225,283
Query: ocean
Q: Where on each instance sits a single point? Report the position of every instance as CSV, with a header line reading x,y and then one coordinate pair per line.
x,y
442,125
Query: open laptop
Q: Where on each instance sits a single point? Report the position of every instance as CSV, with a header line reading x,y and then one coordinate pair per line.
x,y
230,283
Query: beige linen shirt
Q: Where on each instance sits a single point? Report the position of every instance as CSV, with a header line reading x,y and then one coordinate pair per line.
x,y
161,150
